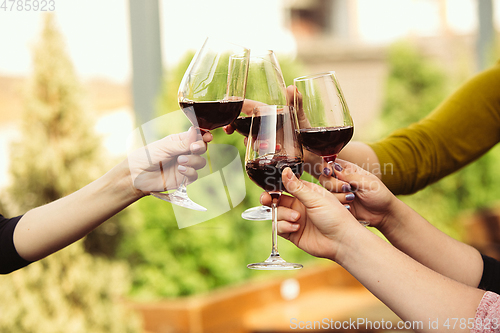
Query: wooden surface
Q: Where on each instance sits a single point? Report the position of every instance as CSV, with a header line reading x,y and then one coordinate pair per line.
x,y
327,293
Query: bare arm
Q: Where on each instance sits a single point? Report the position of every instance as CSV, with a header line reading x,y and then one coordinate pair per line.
x,y
414,292
403,227
49,228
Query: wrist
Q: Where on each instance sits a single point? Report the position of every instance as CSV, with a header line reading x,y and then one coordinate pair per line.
x,y
121,182
395,217
347,242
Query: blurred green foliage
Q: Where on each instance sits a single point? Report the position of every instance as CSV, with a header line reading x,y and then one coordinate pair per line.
x,y
416,86
70,291
167,261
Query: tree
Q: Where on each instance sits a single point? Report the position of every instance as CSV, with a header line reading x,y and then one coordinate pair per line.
x,y
415,87
70,291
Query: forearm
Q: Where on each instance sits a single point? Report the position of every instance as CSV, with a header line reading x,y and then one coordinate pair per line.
x,y
47,229
362,155
413,291
413,235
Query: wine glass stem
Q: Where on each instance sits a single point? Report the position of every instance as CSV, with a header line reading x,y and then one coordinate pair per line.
x,y
182,187
274,206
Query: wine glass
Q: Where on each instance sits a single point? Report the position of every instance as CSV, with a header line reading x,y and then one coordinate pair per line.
x,y
265,86
273,144
211,95
327,126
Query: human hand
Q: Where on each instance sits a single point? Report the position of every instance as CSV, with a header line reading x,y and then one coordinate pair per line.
x,y
313,219
162,164
369,199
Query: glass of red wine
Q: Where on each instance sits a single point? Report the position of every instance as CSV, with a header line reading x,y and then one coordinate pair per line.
x,y
211,95
273,144
327,126
265,86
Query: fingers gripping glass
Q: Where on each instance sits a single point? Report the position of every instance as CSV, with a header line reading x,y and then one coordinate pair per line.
x,y
265,86
211,95
327,125
272,146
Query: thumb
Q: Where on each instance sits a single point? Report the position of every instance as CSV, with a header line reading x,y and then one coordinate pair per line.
x,y
305,192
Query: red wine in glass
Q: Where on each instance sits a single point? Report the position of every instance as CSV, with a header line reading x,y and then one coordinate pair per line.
x,y
242,125
273,144
327,126
211,95
266,172
326,141
210,115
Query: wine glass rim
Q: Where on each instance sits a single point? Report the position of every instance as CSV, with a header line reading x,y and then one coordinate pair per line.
x,y
314,76
221,40
271,108
261,53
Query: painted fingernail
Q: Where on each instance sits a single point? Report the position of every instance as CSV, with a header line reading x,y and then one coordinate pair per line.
x,y
347,207
182,168
182,159
346,188
327,171
350,196
337,167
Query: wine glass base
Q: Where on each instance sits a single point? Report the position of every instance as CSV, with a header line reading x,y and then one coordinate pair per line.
x,y
261,213
275,263
179,199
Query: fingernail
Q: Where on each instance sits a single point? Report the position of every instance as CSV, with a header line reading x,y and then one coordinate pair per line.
x,y
295,216
347,207
182,159
346,188
289,173
182,168
337,167
350,196
295,226
195,147
327,171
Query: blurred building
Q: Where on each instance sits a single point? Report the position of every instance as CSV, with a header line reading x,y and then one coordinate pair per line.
x,y
351,37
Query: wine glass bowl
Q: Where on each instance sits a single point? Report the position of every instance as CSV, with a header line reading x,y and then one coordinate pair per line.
x,y
328,126
211,95
265,86
273,144
213,88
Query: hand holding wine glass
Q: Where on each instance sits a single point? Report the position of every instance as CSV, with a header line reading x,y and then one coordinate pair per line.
x,y
162,164
211,95
272,146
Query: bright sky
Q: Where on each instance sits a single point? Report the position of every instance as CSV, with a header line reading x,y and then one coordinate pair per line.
x,y
97,32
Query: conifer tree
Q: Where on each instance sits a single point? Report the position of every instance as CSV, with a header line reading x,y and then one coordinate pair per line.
x,y
70,291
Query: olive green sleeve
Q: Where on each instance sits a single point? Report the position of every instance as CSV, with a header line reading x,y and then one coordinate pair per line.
x,y
464,127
